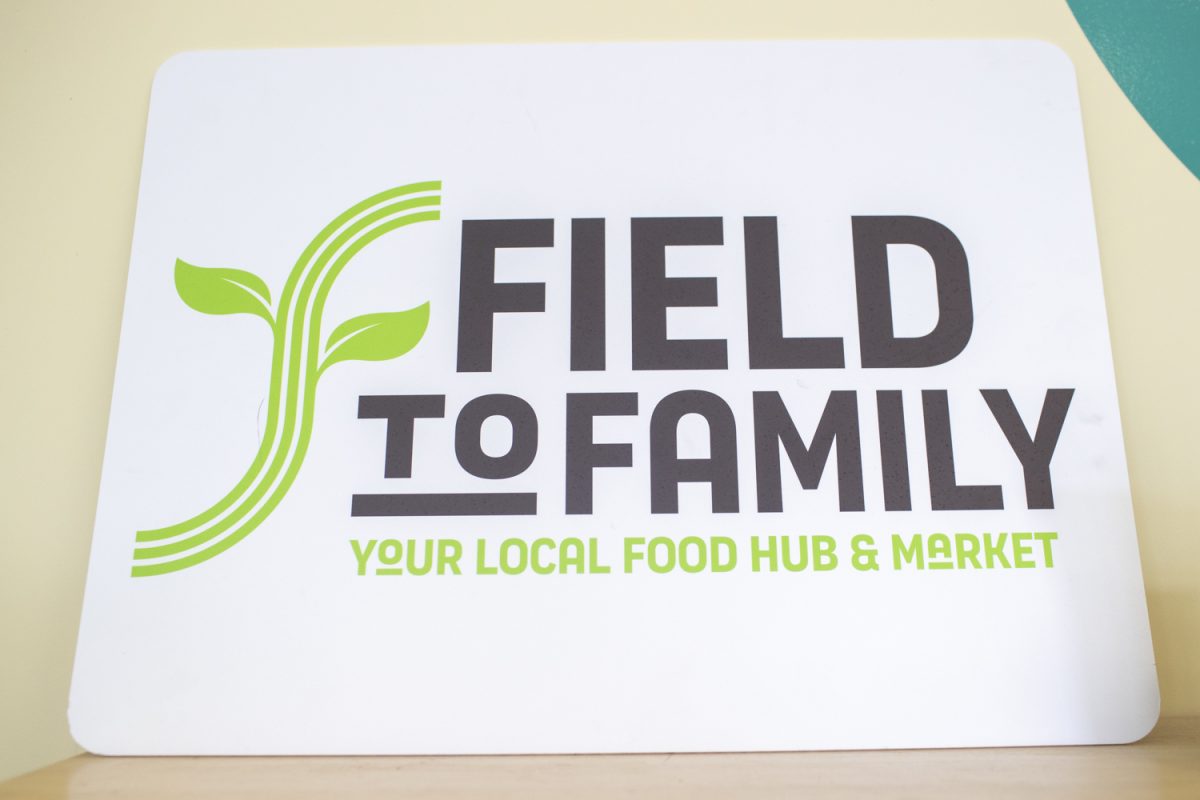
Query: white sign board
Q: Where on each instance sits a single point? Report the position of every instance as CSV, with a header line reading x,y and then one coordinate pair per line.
x,y
591,398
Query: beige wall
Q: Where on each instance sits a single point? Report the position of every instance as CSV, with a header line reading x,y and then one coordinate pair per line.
x,y
74,84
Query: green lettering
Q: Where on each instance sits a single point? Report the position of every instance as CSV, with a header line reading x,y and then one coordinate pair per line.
x,y
507,565
993,550
699,558
449,552
390,552
631,554
1046,537
824,557
420,569
539,566
1023,551
729,561
801,563
758,553
594,565
938,545
967,547
570,556
657,564
361,555
481,568
907,555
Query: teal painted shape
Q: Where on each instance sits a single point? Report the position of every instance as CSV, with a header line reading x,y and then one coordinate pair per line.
x,y
1152,49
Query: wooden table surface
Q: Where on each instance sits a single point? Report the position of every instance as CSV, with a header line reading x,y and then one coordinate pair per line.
x,y
1164,765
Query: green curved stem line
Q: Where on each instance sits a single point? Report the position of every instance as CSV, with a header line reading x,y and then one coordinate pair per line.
x,y
292,463
285,303
303,323
297,344
300,383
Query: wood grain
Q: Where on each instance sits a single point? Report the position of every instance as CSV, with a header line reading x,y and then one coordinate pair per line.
x,y
1164,765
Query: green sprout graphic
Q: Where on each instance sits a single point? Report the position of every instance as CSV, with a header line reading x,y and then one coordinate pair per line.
x,y
298,360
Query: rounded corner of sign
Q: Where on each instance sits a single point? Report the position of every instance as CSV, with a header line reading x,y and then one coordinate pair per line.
x,y
89,726
85,735
1053,54
1142,719
170,66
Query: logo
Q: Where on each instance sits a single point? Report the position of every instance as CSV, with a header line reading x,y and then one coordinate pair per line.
x,y
774,417
298,360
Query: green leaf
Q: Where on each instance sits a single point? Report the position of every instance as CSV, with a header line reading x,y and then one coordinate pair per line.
x,y
222,291
377,337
